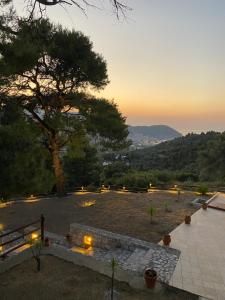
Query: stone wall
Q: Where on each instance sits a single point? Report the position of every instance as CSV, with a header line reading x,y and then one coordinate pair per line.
x,y
134,254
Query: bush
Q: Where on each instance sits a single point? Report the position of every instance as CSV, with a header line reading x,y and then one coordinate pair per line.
x,y
93,188
203,189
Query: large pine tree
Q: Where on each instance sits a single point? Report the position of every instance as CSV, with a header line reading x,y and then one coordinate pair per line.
x,y
48,71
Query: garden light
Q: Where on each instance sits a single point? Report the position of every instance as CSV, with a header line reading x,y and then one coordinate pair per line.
x,y
88,241
34,236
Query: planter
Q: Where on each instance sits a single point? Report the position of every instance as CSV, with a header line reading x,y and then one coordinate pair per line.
x,y
187,219
150,278
166,240
47,243
204,205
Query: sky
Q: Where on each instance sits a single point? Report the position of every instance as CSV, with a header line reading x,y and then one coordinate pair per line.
x,y
166,60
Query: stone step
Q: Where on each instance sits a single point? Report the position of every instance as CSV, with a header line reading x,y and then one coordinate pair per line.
x,y
136,261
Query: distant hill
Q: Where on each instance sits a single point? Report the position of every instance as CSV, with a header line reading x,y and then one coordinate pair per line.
x,y
143,136
177,154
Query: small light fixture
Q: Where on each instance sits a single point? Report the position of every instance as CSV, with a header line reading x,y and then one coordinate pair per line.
x,y
150,185
1,249
124,188
175,186
88,241
34,236
88,203
82,188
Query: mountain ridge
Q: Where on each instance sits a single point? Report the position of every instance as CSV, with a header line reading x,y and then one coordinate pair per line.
x,y
143,136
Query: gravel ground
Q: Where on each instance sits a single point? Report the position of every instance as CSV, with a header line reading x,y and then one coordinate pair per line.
x,y
120,213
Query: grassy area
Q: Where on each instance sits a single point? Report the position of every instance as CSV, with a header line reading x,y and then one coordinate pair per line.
x,y
62,280
124,213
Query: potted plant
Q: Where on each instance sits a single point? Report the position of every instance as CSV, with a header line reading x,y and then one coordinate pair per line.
x,y
150,276
166,239
187,219
204,205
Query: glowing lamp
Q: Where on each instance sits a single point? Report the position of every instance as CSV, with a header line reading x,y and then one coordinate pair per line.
x,y
88,241
34,236
175,186
150,185
1,249
1,227
124,188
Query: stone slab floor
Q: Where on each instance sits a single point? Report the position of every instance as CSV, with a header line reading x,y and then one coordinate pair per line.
x,y
201,267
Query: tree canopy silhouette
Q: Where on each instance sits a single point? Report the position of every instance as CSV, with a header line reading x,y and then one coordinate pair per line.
x,y
48,71
119,7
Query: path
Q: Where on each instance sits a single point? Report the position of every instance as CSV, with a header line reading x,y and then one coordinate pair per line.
x,y
201,268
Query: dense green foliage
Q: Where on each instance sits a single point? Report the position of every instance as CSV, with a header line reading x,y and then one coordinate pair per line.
x,y
179,154
82,168
24,164
186,160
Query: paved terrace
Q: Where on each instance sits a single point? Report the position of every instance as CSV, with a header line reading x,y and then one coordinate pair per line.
x,y
201,267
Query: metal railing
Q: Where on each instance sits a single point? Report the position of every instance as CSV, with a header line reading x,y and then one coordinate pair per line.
x,y
3,254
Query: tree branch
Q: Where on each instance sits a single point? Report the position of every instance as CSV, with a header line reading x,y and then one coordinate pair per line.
x,y
119,7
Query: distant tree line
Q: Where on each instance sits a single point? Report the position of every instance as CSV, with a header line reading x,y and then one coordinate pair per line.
x,y
194,157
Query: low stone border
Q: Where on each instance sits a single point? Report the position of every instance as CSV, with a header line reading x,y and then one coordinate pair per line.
x,y
141,254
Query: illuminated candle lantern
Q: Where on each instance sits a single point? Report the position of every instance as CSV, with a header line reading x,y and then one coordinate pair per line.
x,y
34,236
88,241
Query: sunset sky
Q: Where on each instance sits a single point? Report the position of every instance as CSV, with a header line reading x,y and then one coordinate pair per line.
x,y
166,61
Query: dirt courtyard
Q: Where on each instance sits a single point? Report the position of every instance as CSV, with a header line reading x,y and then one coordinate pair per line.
x,y
124,213
59,280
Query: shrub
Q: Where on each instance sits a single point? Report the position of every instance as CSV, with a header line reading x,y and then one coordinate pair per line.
x,y
203,189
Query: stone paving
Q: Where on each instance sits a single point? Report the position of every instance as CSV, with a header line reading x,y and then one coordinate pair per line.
x,y
201,267
130,253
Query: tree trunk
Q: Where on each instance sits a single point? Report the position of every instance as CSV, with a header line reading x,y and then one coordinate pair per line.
x,y
57,166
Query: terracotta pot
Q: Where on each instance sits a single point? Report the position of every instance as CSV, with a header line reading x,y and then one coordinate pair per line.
x,y
47,243
187,219
166,240
150,278
204,206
